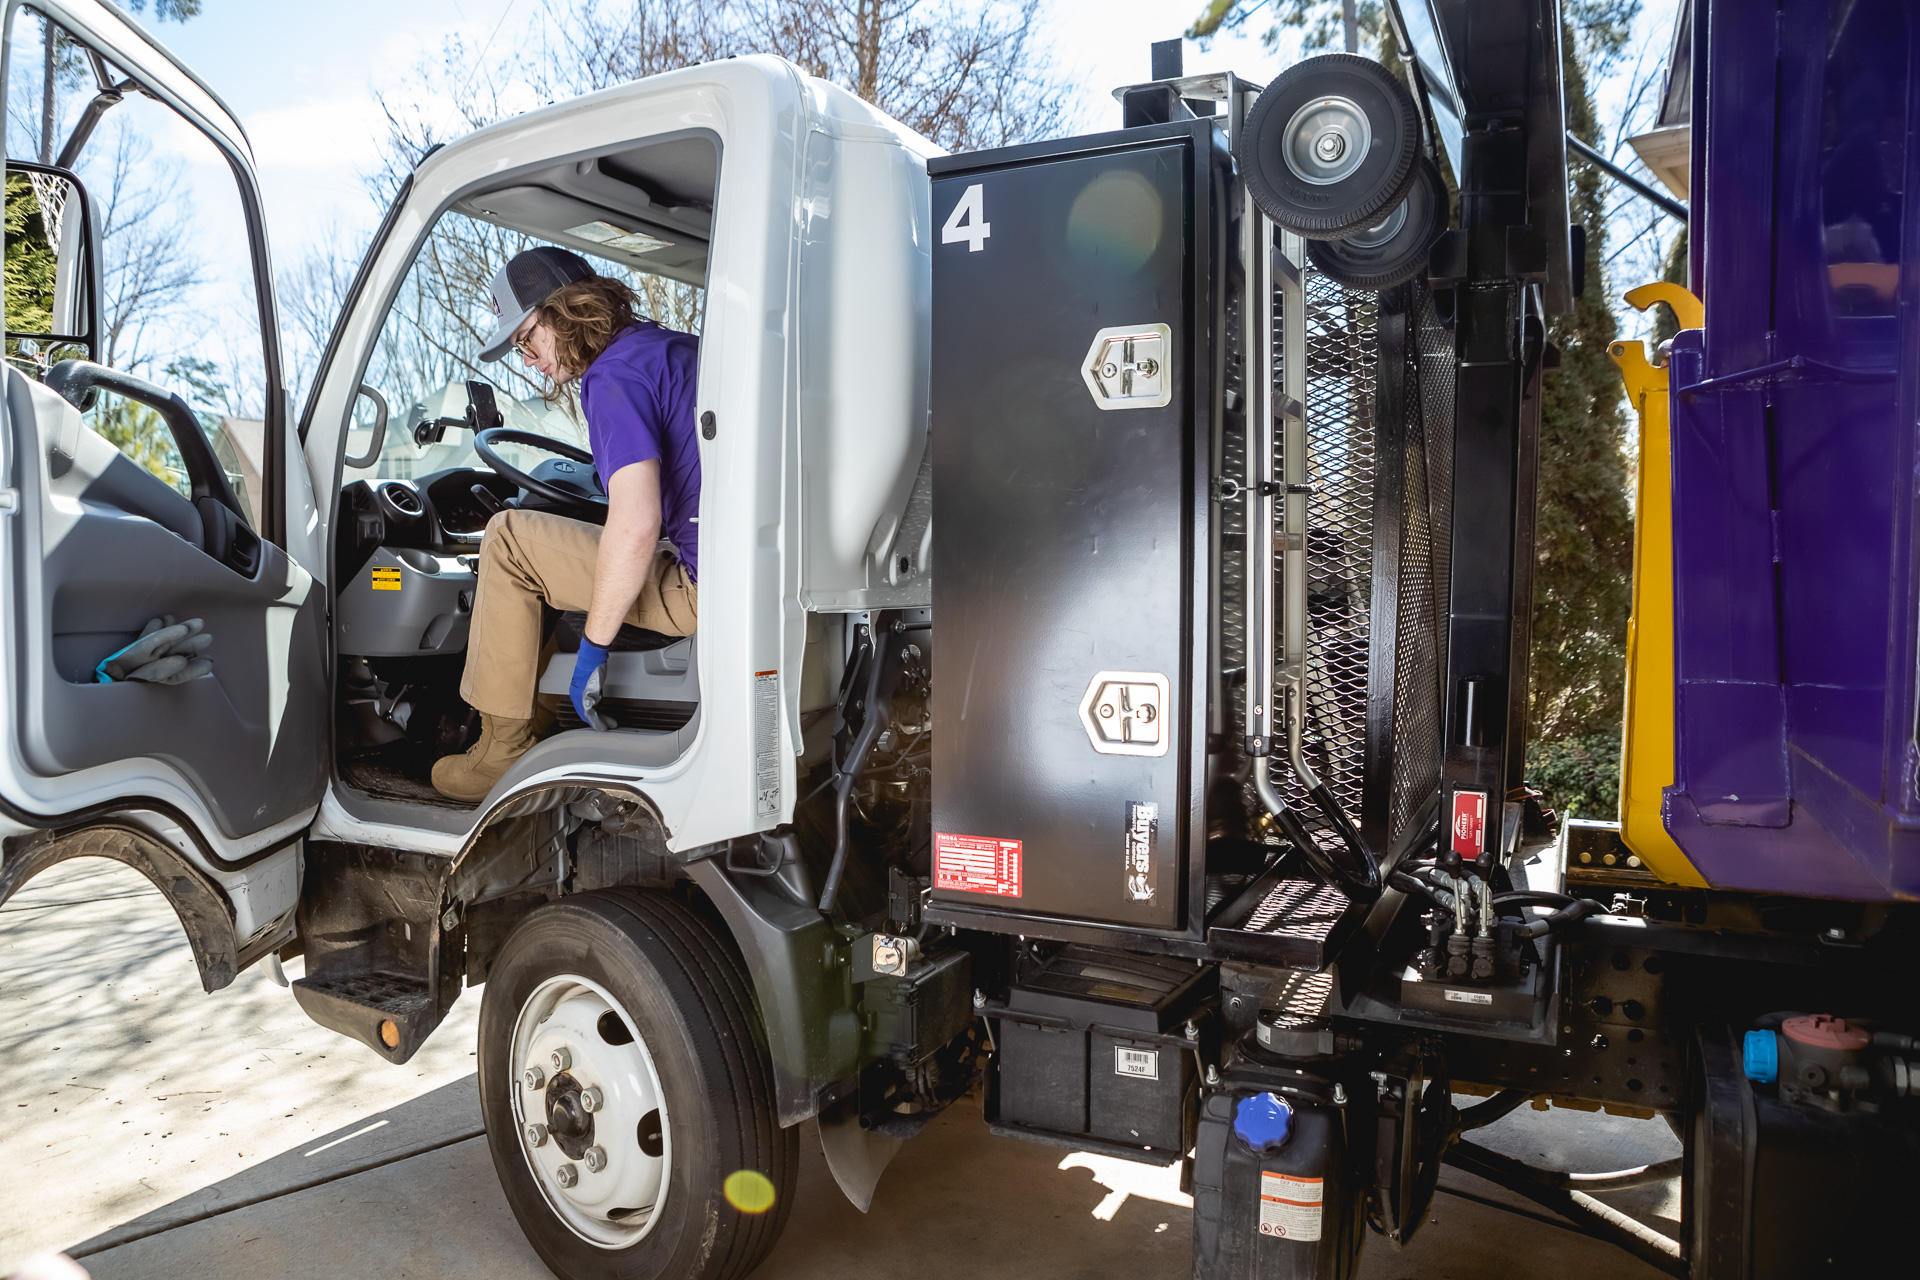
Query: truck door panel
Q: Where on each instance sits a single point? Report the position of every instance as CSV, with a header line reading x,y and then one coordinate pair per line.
x,y
103,546
99,532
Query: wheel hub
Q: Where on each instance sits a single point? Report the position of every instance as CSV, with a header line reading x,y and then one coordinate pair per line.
x,y
568,1122
604,1154
1381,232
1326,140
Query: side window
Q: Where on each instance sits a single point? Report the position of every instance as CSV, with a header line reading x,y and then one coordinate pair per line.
x,y
429,344
179,303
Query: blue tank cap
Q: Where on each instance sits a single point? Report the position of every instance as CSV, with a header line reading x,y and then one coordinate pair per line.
x,y
1264,1122
1760,1055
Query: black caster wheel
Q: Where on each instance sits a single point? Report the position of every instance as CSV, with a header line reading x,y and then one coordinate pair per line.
x,y
1330,146
1394,249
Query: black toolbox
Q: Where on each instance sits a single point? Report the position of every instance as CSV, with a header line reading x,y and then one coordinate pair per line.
x,y
1095,1044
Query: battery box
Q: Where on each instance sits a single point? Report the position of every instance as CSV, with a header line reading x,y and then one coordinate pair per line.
x,y
910,1017
1093,1045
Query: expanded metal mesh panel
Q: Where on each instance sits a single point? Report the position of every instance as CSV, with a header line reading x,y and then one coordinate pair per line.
x,y
1420,633
1377,531
1342,351
1233,531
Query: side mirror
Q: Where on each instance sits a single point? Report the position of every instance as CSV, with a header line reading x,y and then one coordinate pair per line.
x,y
53,266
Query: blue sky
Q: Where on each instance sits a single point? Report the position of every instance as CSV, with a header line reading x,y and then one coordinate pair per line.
x,y
302,78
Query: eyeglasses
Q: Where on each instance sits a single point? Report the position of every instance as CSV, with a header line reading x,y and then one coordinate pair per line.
x,y
523,343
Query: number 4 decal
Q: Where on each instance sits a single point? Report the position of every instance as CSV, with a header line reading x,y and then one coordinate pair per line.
x,y
968,221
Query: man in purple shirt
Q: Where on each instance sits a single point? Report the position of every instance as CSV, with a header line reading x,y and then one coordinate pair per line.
x,y
636,387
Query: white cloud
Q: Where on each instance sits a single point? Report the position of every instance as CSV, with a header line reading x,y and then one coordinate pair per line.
x,y
325,133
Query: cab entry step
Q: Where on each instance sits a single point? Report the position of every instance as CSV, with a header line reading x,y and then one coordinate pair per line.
x,y
390,1013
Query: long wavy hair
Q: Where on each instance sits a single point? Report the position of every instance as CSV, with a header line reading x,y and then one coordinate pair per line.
x,y
584,318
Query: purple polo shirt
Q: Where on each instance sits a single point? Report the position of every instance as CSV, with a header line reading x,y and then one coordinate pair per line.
x,y
638,398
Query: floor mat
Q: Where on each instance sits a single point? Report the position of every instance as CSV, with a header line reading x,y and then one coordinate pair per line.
x,y
395,772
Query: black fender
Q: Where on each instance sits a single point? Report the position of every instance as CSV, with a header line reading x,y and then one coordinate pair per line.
x,y
801,981
203,911
797,962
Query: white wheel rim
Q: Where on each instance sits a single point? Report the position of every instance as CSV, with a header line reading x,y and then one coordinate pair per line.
x,y
1327,140
616,1205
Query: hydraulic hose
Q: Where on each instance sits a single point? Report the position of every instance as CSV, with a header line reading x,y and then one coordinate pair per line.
x,y
1499,1106
881,674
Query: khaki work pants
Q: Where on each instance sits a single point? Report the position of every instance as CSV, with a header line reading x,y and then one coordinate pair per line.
x,y
530,557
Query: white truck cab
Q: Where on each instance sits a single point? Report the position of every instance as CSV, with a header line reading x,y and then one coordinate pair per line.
x,y
796,213
332,555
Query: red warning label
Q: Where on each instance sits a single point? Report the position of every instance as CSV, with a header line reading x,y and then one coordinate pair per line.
x,y
976,864
1469,823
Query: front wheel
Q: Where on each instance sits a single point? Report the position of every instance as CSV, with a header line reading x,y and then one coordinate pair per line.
x,y
628,1102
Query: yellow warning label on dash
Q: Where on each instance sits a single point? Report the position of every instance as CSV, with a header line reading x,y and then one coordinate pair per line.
x,y
386,579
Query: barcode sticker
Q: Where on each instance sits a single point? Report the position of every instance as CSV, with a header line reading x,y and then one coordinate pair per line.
x,y
1143,1064
1290,1207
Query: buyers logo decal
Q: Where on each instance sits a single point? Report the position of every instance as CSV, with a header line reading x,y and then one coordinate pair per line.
x,y
1143,830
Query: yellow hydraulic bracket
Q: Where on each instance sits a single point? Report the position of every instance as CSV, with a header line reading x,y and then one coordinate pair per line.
x,y
1646,768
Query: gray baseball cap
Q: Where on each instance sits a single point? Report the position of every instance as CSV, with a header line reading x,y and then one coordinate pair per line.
x,y
529,279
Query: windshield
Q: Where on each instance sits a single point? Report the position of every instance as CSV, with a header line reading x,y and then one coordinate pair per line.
x,y
428,347
401,458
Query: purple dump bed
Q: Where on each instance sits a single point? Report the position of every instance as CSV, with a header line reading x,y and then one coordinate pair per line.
x,y
1797,763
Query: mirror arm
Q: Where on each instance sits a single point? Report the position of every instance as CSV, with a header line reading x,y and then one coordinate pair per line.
x,y
109,97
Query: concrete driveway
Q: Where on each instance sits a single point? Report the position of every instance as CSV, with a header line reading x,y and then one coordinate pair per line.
x,y
150,1130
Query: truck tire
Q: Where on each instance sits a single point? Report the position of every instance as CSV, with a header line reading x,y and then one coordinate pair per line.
x,y
627,1096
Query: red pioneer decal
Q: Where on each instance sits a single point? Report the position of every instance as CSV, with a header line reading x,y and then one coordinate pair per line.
x,y
1469,823
976,864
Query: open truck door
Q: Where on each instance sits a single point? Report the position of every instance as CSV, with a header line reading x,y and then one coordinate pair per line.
x,y
147,471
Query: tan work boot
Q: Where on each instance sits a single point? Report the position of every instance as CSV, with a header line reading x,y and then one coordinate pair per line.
x,y
469,776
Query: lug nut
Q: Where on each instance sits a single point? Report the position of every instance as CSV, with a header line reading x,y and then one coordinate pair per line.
x,y
592,1100
536,1135
561,1058
534,1078
596,1159
567,1175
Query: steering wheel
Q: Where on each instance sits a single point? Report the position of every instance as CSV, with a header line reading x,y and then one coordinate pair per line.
x,y
567,481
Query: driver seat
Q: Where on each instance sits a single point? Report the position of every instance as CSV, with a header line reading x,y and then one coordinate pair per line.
x,y
652,683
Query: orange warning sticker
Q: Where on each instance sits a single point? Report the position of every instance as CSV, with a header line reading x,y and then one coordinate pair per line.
x,y
1290,1207
976,864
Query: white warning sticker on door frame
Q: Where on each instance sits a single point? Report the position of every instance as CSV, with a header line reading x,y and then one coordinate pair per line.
x,y
766,743
1290,1207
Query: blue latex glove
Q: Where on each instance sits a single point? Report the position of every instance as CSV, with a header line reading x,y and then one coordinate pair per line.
x,y
589,677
